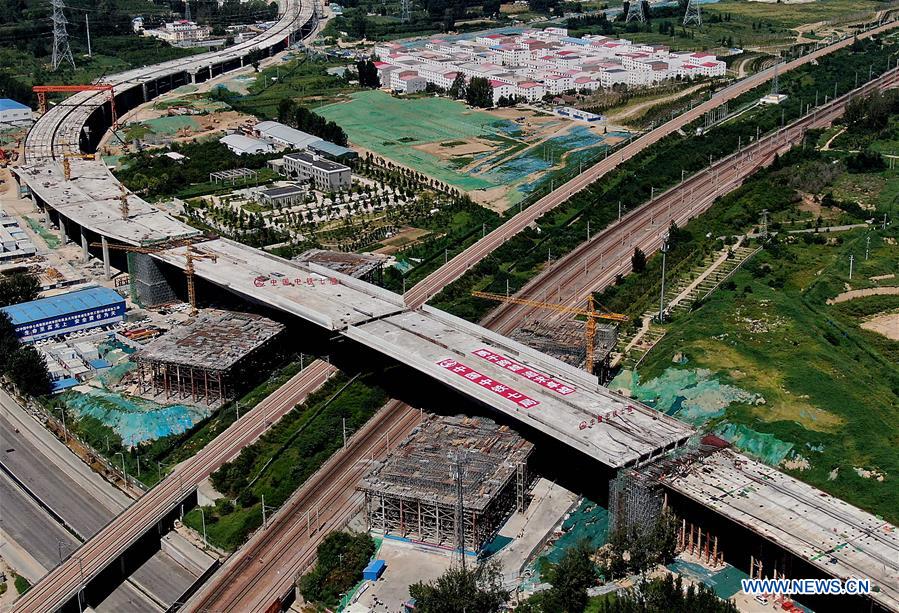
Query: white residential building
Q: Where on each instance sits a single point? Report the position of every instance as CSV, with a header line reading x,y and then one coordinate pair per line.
x,y
538,62
179,32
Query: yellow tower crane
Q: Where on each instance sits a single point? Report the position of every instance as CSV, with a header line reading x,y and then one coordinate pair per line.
x,y
67,166
191,254
590,313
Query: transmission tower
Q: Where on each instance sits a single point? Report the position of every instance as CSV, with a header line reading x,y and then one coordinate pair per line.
x,y
775,82
61,49
763,226
406,9
186,10
635,12
693,16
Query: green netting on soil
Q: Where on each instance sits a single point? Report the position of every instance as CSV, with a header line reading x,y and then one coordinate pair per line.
x,y
725,582
692,395
766,447
391,126
135,420
51,239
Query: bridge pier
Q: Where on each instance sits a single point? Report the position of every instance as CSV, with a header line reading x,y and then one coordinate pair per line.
x,y
106,270
85,256
63,237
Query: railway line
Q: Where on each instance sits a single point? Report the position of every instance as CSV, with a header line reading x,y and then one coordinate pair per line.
x,y
68,579
457,266
595,263
265,569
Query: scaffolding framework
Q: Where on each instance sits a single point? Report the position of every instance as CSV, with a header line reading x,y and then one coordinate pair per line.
x,y
209,360
413,494
149,286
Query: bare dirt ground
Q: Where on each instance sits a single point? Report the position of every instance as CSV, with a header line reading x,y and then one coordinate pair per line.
x,y
405,237
886,324
859,293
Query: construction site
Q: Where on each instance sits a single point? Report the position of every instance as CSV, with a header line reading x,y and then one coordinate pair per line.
x,y
209,360
450,467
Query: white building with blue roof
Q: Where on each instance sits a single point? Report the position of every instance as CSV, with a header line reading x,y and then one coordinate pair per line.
x,y
82,309
12,112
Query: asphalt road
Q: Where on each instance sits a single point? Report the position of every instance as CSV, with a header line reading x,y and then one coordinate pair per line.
x,y
81,497
28,532
458,265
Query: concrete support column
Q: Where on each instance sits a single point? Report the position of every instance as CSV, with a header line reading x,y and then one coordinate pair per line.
x,y
193,77
62,231
144,88
105,257
84,254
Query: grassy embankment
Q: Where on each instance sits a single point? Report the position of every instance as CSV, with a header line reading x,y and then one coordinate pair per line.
x,y
288,454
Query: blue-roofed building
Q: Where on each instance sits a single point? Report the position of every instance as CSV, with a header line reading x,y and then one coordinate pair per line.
x,y
77,310
14,112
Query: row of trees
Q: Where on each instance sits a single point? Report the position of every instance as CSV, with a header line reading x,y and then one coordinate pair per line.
x,y
341,558
368,74
476,92
301,118
630,551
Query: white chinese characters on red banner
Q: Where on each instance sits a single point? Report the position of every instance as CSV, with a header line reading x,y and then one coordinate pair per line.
x,y
524,371
494,386
264,281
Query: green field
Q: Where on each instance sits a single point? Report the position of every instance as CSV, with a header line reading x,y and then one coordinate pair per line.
x,y
767,361
392,126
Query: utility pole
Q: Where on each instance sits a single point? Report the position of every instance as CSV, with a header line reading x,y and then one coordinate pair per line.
x,y
851,262
344,431
61,50
763,226
664,250
87,24
867,246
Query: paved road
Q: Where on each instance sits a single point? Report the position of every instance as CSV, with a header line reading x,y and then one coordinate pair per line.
x,y
30,537
62,582
455,268
264,569
76,494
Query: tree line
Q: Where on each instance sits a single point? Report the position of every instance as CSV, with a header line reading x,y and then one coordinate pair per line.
x,y
301,118
21,363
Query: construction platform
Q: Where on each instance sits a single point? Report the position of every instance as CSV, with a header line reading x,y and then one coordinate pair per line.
x,y
357,265
540,391
414,493
207,359
830,534
92,198
309,291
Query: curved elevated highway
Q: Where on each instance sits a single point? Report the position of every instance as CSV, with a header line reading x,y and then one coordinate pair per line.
x,y
92,198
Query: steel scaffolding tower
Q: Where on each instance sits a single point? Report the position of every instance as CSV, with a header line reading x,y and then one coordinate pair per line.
x,y
693,16
61,49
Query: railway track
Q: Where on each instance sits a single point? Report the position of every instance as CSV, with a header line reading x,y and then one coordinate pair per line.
x,y
265,569
456,267
595,263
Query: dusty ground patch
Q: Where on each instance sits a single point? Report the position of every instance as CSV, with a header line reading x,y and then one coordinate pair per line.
x,y
886,324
